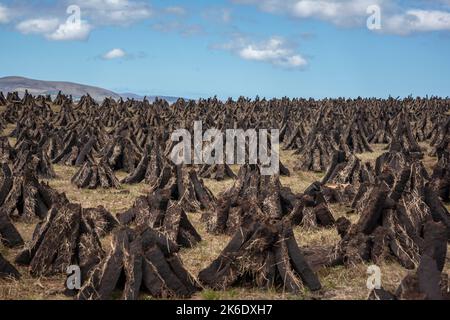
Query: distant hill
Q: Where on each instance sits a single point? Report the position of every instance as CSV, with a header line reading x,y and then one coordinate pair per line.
x,y
37,87
149,98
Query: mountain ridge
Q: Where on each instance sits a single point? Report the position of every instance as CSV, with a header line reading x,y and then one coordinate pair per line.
x,y
77,90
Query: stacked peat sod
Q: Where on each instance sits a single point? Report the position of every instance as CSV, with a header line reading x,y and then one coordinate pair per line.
x,y
225,218
428,282
263,252
32,154
441,172
393,214
29,150
403,139
141,261
93,176
7,270
441,141
176,191
184,187
9,236
293,138
271,197
69,235
316,154
23,197
159,211
311,210
2,99
354,136
345,176
383,133
218,172
122,153
441,177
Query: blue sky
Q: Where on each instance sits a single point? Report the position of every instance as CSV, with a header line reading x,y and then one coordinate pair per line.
x,y
270,48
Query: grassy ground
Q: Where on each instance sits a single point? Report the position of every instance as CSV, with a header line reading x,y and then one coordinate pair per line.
x,y
338,282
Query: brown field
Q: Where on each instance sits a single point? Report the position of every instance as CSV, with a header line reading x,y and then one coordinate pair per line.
x,y
338,283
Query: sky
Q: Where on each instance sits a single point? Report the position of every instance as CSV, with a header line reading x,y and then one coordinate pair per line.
x,y
232,48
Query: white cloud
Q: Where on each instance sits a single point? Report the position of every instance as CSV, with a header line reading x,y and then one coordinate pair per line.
x,y
4,14
418,21
396,17
69,31
38,26
114,12
340,12
94,13
176,10
223,15
181,28
114,54
52,29
275,51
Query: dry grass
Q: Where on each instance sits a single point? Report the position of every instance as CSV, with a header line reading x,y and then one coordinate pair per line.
x,y
378,150
7,131
338,282
428,162
342,283
299,180
114,200
29,288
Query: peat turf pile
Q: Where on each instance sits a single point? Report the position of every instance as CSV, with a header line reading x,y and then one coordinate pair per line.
x,y
441,142
93,176
159,211
149,168
7,270
428,282
311,210
25,197
403,139
295,139
218,172
345,176
317,153
9,236
441,176
262,253
185,187
392,219
272,199
81,141
383,133
121,153
355,138
141,261
70,235
31,154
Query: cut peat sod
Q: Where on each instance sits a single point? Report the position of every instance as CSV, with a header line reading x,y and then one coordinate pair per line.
x,y
262,253
141,259
158,211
